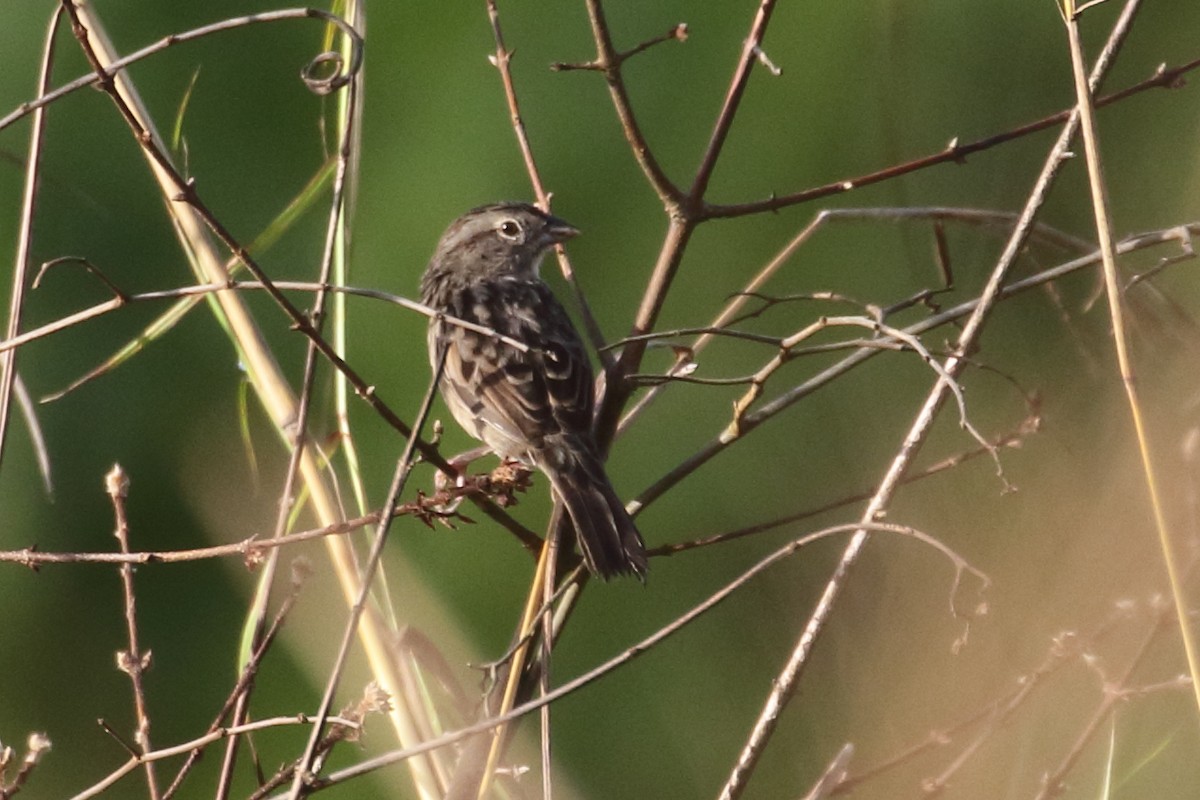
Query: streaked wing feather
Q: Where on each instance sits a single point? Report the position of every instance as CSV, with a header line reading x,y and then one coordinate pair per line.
x,y
521,397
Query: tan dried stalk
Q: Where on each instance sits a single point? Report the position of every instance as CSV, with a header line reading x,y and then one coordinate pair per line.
x,y
273,391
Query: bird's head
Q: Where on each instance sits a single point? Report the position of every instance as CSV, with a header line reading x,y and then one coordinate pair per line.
x,y
502,238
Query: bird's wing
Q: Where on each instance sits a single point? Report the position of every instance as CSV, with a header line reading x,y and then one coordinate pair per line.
x,y
517,397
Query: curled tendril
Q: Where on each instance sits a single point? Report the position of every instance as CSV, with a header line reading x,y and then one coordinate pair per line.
x,y
323,84
91,268
318,75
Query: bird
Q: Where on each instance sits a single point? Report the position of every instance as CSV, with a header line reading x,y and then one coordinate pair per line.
x,y
535,405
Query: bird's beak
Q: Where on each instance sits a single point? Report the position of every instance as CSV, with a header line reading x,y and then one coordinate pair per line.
x,y
559,230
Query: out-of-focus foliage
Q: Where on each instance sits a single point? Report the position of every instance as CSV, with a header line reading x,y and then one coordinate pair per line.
x,y
863,86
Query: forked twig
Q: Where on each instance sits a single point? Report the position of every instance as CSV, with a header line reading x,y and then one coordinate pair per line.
x,y
777,405
36,746
1053,783
730,313
733,98
608,62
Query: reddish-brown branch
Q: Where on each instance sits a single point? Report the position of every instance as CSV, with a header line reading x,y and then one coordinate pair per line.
x,y
1163,78
733,99
608,62
501,60
678,33
682,211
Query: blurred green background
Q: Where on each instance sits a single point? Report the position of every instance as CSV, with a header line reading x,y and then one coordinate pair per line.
x,y
863,86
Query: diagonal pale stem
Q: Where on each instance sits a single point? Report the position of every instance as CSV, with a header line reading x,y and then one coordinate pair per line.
x,y
1112,285
277,398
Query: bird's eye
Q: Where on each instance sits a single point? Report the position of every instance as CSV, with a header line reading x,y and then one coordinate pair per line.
x,y
510,229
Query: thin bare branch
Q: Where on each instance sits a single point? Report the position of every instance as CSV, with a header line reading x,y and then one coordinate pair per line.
x,y
133,662
1011,439
608,62
1065,648
304,776
253,549
663,633
776,406
500,59
677,33
733,98
784,686
36,746
173,39
8,358
202,741
1164,77
1053,784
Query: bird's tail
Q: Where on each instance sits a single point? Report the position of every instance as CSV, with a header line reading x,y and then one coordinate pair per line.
x,y
609,540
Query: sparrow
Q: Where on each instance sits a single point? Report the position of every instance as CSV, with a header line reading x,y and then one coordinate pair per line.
x,y
533,406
